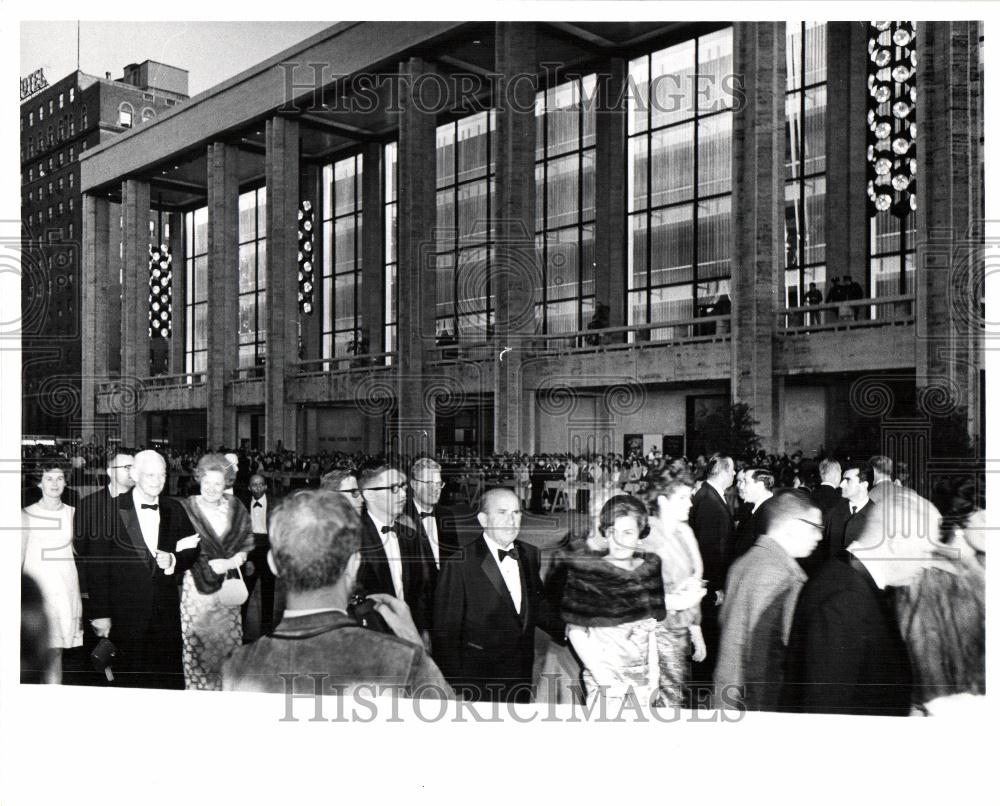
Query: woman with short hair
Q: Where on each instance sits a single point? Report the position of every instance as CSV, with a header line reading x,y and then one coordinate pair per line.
x,y
211,627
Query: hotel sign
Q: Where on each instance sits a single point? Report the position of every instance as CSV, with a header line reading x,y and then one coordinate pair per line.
x,y
33,83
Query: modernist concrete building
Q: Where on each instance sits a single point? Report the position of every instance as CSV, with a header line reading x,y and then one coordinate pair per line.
x,y
58,125
482,192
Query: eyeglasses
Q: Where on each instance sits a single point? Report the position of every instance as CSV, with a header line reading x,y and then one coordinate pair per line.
x,y
354,493
121,467
399,485
811,523
428,481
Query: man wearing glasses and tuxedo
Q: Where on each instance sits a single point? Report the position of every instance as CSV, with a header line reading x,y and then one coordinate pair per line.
x,y
392,559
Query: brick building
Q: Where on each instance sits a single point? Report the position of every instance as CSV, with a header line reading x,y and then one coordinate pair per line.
x,y
58,125
482,190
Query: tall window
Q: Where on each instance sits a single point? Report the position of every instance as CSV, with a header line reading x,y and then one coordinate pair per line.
x,y
679,175
465,190
805,160
252,270
391,258
196,290
125,115
564,222
342,254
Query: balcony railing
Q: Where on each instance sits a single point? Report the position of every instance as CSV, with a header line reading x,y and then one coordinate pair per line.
x,y
345,363
850,315
654,334
187,379
254,373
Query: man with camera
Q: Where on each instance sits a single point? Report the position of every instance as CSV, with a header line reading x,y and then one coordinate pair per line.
x,y
315,550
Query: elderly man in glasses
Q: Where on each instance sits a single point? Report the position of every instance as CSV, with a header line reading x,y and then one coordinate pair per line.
x,y
392,560
435,523
761,592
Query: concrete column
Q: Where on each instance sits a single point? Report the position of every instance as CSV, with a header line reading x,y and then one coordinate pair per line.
x,y
223,290
416,279
311,179
610,189
179,284
95,308
282,177
846,127
950,250
758,224
373,248
135,307
516,272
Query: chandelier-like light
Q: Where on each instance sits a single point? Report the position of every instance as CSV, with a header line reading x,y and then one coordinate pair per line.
x,y
160,292
306,257
891,149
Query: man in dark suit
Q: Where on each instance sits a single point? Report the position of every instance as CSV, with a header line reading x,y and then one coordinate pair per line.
x,y
848,518
845,651
135,589
754,486
436,528
258,611
827,494
487,605
89,523
392,560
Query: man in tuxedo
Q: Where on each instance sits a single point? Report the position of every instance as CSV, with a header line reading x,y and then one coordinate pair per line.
x,y
258,611
712,525
845,652
391,557
486,606
135,587
435,525
848,518
89,523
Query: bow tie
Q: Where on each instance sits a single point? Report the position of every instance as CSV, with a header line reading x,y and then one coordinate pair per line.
x,y
426,515
258,504
512,554
149,506
387,529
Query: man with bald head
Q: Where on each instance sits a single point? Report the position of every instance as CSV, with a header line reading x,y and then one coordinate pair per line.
x,y
486,606
135,589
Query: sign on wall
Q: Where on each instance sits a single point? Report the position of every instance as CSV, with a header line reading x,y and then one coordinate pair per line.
x,y
33,83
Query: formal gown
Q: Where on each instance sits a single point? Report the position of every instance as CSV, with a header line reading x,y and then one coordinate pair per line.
x,y
210,630
680,561
47,546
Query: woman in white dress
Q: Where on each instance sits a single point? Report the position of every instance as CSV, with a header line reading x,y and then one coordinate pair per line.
x,y
47,556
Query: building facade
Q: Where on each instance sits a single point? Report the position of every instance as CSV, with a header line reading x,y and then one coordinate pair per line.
x,y
58,125
544,237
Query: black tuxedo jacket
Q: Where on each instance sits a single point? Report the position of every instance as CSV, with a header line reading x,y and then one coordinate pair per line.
x,y
845,653
374,575
750,527
843,528
90,519
142,601
713,528
482,645
826,498
448,544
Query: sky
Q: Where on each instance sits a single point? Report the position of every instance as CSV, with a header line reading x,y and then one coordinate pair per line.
x,y
211,52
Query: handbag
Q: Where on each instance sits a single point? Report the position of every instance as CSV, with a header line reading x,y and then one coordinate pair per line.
x,y
234,590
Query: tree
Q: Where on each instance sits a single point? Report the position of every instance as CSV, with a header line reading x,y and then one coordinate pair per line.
x,y
730,430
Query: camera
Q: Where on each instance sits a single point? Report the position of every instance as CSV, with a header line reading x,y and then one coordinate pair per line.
x,y
363,611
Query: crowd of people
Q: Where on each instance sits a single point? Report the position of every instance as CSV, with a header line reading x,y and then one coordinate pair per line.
x,y
769,583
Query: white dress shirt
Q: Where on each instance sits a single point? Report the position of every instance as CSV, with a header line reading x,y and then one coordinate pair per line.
x,y
430,528
149,523
390,542
509,570
258,515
